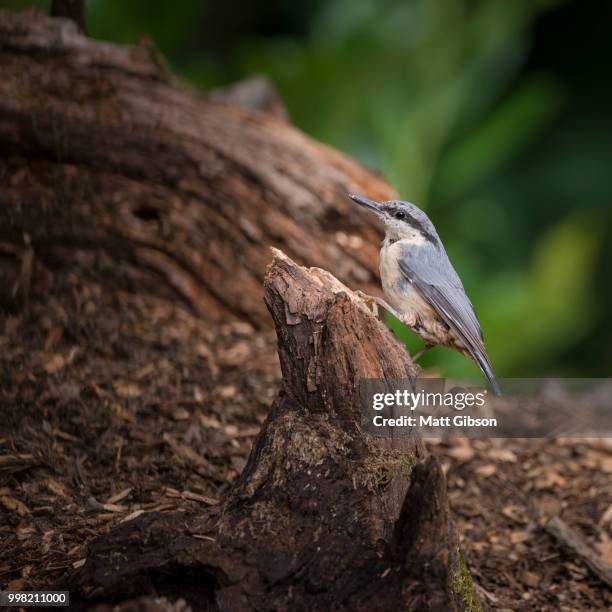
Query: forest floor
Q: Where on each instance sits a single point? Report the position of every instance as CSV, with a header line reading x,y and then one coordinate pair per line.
x,y
105,418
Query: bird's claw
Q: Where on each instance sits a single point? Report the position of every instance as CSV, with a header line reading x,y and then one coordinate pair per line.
x,y
368,300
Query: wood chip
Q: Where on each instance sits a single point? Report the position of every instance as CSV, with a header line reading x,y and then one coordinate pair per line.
x,y
518,537
14,505
25,533
113,508
177,413
131,517
461,452
606,517
54,335
200,498
247,432
127,389
16,585
170,492
514,513
501,454
604,547
119,496
12,460
56,488
64,436
53,364
531,579
486,470
235,355
549,479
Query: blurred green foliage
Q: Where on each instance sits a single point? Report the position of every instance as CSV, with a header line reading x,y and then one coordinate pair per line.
x,y
491,115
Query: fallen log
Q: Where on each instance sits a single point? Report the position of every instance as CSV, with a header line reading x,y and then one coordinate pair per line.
x,y
181,193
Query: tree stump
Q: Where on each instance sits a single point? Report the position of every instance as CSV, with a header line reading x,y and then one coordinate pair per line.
x,y
313,522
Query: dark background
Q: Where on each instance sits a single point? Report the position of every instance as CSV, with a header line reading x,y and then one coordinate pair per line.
x,y
492,115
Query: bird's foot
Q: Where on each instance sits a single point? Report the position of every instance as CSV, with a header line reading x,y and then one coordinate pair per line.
x,y
372,300
421,352
368,300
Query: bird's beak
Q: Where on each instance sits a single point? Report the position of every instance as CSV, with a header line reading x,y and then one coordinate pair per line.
x,y
373,205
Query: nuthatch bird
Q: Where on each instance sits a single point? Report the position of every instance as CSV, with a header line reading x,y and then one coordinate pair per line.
x,y
421,284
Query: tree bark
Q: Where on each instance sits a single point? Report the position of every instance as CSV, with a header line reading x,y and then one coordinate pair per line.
x,y
114,173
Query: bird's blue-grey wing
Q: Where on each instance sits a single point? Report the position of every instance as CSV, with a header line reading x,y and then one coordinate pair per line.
x,y
433,276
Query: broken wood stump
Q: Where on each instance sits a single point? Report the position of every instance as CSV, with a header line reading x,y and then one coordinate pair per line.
x,y
314,521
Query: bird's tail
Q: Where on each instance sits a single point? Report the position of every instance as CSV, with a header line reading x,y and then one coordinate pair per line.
x,y
487,370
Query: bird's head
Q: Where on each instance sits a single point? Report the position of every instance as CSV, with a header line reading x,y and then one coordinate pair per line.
x,y
403,220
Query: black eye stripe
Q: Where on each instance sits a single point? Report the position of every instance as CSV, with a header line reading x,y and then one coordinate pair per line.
x,y
413,222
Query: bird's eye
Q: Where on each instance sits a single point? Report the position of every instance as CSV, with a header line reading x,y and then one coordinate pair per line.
x,y
400,215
